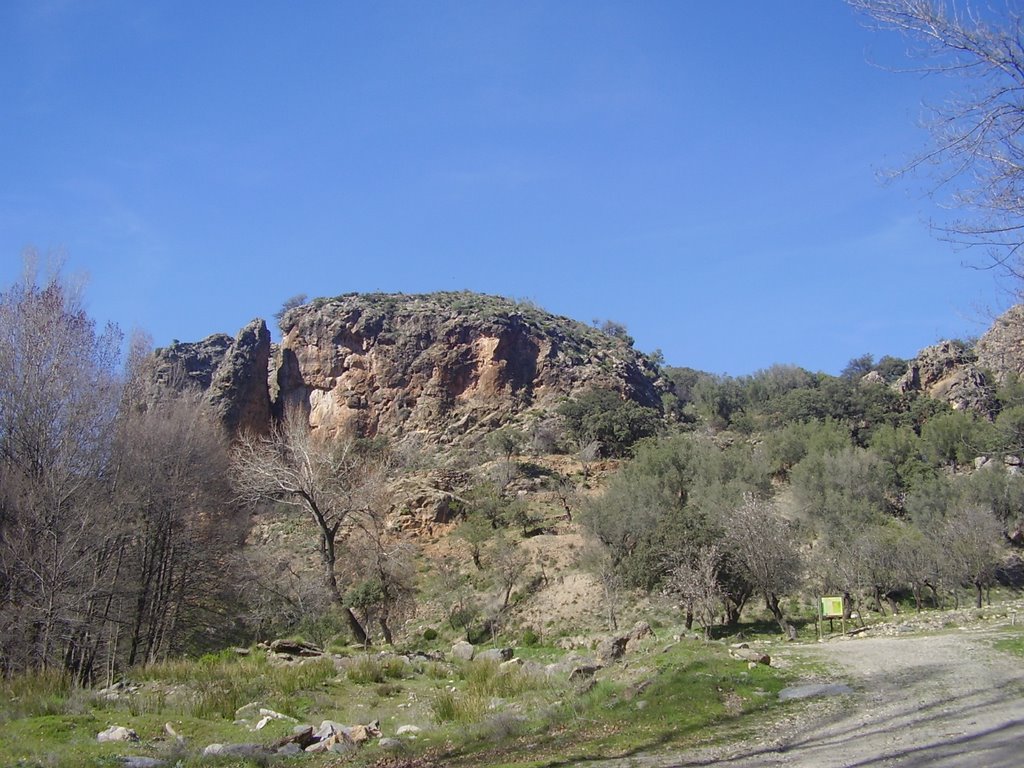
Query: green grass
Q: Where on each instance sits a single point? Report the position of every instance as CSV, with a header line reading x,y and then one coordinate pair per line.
x,y
1014,643
682,694
472,713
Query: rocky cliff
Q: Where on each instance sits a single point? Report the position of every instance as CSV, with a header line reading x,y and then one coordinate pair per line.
x,y
967,377
949,371
447,365
232,374
1001,349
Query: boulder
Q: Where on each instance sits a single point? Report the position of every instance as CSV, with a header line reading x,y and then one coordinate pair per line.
x,y
584,672
495,655
136,761
295,648
236,750
612,648
640,631
117,733
463,650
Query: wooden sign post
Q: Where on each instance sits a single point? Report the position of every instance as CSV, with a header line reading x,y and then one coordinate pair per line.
x,y
830,608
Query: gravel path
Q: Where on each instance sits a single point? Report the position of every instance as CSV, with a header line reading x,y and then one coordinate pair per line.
x,y
942,701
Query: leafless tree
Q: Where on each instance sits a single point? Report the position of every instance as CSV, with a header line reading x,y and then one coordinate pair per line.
x,y
384,561
508,562
694,581
170,497
596,559
977,149
329,480
765,552
59,393
972,543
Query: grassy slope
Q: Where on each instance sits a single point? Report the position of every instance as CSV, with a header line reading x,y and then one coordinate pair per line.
x,y
471,713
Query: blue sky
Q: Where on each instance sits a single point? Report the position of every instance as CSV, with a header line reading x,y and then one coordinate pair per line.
x,y
705,173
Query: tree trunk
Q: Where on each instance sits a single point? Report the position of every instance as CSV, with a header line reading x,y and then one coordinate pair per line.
x,y
331,580
772,601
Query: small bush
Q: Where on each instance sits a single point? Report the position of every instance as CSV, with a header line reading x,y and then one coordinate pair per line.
x,y
430,634
529,638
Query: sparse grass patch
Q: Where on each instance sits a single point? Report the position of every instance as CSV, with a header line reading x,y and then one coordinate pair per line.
x,y
1013,644
369,669
43,692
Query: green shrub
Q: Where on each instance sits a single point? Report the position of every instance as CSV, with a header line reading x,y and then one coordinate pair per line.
x,y
529,638
430,634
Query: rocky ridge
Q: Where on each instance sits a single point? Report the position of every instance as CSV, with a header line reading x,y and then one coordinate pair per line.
x,y
231,374
444,365
967,377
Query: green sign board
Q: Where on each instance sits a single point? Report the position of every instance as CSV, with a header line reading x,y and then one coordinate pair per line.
x,y
832,607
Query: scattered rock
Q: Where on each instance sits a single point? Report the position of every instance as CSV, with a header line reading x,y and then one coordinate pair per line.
x,y
407,730
327,729
640,631
235,750
584,672
301,738
295,649
117,733
358,734
749,654
392,745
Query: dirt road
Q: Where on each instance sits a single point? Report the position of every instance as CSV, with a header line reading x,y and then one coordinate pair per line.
x,y
941,700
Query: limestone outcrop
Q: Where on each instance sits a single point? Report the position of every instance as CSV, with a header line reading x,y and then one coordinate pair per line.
x,y
1001,349
949,372
231,374
445,364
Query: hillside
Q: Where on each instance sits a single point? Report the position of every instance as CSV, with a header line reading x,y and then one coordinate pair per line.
x,y
438,474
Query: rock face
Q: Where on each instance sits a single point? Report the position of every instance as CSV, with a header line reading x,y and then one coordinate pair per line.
x,y
444,364
948,372
232,374
1001,349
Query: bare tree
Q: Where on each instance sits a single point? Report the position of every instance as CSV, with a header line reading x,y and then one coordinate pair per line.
x,y
170,497
765,552
597,559
508,562
694,581
328,480
977,151
58,402
972,543
387,588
